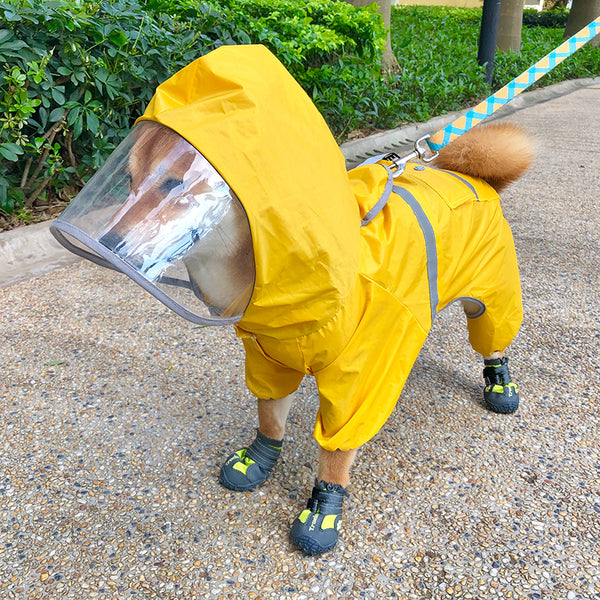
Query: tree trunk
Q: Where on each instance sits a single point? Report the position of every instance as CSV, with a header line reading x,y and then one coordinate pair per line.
x,y
582,13
385,8
509,25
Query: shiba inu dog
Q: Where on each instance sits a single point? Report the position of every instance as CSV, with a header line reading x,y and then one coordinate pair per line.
x,y
232,189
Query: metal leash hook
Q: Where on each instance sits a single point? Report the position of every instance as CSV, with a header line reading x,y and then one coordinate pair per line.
x,y
422,151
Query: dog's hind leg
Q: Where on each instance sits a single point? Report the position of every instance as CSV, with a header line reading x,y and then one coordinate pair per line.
x,y
493,327
315,530
249,467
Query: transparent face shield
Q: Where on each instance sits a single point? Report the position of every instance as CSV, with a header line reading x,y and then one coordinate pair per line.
x,y
160,213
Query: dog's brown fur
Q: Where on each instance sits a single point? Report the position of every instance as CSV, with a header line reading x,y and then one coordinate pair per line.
x,y
498,153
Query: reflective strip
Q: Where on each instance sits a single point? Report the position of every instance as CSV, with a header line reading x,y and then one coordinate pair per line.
x,y
479,303
382,200
469,185
430,245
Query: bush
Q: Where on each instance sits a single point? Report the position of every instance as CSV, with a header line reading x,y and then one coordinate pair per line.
x,y
76,74
551,19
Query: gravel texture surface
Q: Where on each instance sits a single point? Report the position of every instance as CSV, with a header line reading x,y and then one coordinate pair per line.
x,y
116,416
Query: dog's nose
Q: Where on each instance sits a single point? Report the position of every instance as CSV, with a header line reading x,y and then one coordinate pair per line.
x,y
111,240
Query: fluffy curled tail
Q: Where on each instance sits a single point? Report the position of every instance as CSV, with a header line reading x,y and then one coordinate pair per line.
x,y
498,153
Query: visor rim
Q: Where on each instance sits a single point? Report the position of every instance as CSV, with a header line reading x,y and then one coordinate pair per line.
x,y
105,258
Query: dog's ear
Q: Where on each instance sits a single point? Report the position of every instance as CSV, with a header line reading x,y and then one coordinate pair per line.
x,y
498,153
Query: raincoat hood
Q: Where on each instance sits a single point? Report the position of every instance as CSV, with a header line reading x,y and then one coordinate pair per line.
x,y
241,109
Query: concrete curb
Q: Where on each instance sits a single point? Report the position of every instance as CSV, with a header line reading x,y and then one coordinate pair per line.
x,y
31,251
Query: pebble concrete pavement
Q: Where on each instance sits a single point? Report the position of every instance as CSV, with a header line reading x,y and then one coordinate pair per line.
x,y
117,414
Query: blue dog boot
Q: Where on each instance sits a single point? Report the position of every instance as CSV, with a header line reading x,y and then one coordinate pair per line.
x,y
249,467
500,393
315,530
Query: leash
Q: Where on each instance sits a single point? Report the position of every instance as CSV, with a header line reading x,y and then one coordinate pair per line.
x,y
427,147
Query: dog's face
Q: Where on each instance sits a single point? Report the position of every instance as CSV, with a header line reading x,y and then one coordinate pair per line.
x,y
179,207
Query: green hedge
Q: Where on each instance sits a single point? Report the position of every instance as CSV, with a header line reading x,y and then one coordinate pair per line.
x,y
555,19
76,74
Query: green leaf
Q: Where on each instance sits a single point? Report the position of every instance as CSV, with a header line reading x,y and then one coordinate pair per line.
x,y
10,151
73,114
58,96
92,122
117,37
56,115
9,15
77,128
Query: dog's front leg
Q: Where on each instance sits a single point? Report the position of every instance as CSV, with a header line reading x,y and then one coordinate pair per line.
x,y
334,467
248,467
272,415
315,530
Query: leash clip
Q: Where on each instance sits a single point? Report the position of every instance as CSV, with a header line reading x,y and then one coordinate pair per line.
x,y
422,151
398,162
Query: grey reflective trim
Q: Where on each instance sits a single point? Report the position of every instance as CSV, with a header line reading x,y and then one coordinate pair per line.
x,y
106,258
372,160
382,201
479,303
469,185
430,245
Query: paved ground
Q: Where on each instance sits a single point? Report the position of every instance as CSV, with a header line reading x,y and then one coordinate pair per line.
x,y
117,416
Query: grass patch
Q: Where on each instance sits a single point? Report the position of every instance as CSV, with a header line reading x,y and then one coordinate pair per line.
x,y
437,50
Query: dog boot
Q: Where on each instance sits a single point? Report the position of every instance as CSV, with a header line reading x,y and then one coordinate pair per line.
x,y
315,530
500,393
249,467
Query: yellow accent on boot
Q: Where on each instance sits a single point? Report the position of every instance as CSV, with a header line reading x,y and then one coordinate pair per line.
x,y
242,467
304,515
499,389
329,522
237,456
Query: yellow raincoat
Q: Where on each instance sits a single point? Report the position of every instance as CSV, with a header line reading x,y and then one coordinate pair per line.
x,y
347,304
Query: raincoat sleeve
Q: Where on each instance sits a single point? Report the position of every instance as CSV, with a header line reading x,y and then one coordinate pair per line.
x,y
265,377
360,388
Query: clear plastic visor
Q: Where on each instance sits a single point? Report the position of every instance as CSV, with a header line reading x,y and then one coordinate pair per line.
x,y
160,213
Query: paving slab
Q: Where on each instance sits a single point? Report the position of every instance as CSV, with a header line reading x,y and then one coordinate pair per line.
x,y
117,414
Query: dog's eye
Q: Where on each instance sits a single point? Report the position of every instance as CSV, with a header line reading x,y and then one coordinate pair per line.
x,y
170,184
